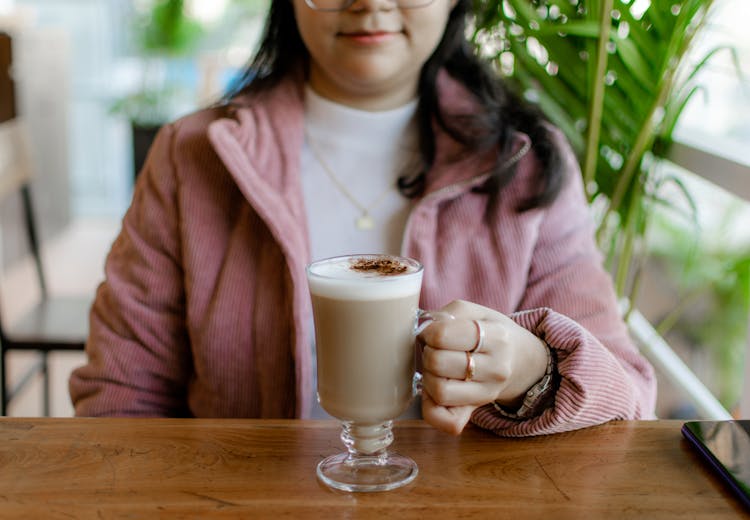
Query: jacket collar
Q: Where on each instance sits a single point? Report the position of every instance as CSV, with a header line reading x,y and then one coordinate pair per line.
x,y
452,168
259,145
261,140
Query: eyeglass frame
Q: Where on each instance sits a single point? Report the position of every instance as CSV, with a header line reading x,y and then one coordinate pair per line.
x,y
348,3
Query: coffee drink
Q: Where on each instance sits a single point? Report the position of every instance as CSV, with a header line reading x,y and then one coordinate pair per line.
x,y
365,308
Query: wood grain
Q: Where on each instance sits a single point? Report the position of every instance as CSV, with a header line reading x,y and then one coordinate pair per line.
x,y
190,468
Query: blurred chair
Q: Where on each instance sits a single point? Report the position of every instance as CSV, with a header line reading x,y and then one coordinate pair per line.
x,y
52,324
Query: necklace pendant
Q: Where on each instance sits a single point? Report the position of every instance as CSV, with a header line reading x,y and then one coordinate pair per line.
x,y
365,222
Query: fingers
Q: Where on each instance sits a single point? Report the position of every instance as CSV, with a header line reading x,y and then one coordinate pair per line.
x,y
458,334
464,310
452,364
456,392
451,420
455,380
463,335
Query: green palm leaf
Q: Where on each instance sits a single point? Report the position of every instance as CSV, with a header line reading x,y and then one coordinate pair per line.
x,y
618,71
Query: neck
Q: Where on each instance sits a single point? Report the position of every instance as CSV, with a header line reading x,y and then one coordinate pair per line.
x,y
369,99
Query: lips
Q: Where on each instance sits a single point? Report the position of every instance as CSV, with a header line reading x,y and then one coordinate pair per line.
x,y
368,37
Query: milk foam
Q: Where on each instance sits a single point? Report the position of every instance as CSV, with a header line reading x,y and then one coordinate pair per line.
x,y
334,278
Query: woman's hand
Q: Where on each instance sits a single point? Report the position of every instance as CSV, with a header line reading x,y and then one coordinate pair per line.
x,y
511,360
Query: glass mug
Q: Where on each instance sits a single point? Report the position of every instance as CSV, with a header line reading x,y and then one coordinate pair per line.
x,y
367,316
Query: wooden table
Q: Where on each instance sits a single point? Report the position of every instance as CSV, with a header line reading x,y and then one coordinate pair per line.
x,y
190,468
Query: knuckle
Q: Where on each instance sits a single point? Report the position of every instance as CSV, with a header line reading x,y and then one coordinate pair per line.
x,y
502,370
429,362
436,334
455,428
503,334
440,393
442,363
428,384
455,305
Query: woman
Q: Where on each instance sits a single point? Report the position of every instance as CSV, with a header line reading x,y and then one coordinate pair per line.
x,y
205,309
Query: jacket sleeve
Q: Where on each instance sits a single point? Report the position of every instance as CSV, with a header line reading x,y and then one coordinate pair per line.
x,y
138,350
570,303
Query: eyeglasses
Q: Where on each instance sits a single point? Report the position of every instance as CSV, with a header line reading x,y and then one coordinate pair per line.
x,y
341,5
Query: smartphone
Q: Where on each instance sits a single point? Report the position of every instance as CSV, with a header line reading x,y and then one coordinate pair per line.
x,y
726,447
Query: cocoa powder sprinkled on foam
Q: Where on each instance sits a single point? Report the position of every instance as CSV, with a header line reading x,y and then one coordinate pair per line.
x,y
382,266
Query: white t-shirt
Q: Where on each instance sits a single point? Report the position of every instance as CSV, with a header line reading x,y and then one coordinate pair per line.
x,y
365,152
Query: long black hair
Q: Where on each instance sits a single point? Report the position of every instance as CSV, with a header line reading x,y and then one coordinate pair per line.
x,y
502,114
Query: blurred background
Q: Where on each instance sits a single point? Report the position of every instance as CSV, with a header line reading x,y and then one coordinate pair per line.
x,y
94,79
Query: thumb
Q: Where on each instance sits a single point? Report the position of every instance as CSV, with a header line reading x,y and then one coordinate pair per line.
x,y
449,419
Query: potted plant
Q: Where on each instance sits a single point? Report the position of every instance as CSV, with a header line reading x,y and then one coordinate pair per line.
x,y
708,276
612,75
164,36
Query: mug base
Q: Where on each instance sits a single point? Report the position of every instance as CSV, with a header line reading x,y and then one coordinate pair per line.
x,y
360,473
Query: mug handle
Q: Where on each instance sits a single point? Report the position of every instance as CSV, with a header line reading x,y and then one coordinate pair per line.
x,y
424,318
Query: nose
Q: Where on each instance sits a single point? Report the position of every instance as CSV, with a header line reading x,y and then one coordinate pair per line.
x,y
373,5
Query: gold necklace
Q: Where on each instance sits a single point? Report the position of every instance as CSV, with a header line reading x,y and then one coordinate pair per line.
x,y
365,221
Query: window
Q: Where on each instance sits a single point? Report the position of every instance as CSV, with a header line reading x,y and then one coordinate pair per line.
x,y
717,119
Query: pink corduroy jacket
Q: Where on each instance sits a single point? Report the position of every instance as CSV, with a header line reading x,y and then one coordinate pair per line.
x,y
205,309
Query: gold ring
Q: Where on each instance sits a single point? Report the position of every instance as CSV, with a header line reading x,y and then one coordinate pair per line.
x,y
480,337
470,367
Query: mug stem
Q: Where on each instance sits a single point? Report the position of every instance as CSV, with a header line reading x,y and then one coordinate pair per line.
x,y
371,440
367,465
